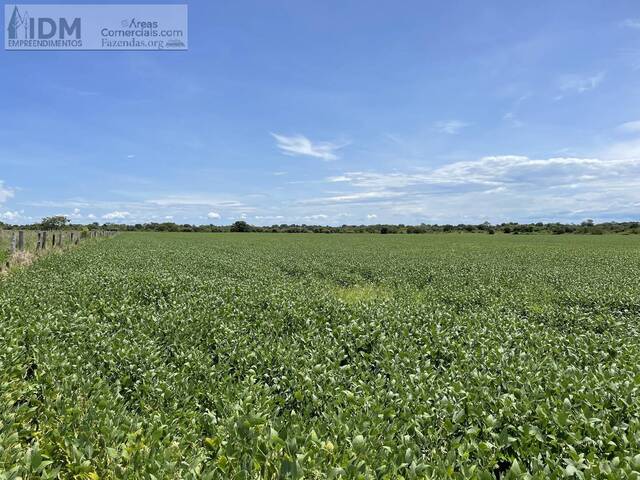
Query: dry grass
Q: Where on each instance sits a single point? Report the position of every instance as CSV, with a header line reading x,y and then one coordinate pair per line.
x,y
22,258
16,260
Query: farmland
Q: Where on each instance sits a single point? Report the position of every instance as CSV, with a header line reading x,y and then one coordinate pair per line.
x,y
324,356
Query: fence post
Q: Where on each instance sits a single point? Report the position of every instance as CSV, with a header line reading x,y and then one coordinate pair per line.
x,y
44,240
59,242
21,240
13,242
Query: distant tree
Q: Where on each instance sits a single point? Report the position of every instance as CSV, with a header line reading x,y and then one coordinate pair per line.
x,y
240,226
384,230
587,223
56,222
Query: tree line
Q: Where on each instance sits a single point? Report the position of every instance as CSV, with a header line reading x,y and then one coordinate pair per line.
x,y
589,227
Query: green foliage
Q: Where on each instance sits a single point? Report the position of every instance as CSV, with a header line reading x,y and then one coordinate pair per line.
x,y
240,226
56,222
349,356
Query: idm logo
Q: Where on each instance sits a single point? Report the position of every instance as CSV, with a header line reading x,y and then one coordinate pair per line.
x,y
24,26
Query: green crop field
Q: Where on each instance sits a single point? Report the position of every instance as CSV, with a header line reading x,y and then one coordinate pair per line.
x,y
324,356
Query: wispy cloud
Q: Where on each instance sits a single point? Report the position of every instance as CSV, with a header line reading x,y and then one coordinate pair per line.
x,y
5,193
578,83
629,150
503,187
496,171
630,127
450,127
195,200
511,118
299,145
360,197
631,23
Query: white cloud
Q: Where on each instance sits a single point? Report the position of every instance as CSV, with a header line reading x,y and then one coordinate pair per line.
x,y
5,193
75,214
508,187
360,197
339,178
488,172
451,127
299,145
319,216
580,83
116,215
168,217
194,201
91,216
10,216
371,216
213,215
631,23
630,127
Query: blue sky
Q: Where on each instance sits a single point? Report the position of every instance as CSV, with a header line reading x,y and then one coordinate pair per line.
x,y
336,112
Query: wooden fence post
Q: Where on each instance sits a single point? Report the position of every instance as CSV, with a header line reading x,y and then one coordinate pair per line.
x,y
59,239
21,240
13,242
44,240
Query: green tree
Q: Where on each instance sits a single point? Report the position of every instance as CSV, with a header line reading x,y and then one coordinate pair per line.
x,y
57,222
240,226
